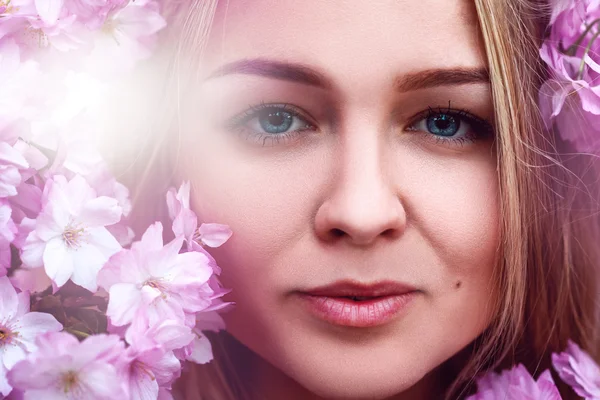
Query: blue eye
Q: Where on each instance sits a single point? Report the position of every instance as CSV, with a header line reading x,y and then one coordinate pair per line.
x,y
270,123
443,125
271,119
452,125
275,121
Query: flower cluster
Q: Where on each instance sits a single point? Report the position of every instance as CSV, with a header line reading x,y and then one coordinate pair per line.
x,y
140,310
574,367
85,312
570,98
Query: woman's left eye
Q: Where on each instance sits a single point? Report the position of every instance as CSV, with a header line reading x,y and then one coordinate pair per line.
x,y
448,125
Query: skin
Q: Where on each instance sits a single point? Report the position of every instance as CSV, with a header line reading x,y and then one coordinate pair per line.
x,y
366,194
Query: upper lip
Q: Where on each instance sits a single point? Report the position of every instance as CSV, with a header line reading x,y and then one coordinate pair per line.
x,y
349,288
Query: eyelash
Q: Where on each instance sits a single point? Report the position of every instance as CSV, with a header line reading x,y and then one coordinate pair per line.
x,y
480,128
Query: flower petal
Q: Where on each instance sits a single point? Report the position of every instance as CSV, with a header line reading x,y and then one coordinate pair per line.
x,y
12,354
9,302
101,381
87,262
201,350
106,243
214,235
58,261
142,386
5,388
152,239
32,252
34,323
100,211
125,300
49,10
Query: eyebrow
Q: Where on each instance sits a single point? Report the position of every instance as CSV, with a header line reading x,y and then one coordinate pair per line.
x,y
303,74
441,77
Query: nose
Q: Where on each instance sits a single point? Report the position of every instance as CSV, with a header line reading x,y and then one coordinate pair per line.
x,y
361,206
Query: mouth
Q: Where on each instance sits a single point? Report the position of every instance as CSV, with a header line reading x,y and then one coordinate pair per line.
x,y
354,304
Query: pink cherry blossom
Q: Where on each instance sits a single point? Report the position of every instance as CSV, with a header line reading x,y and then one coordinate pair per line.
x,y
149,360
571,95
579,370
64,368
185,223
199,350
106,185
156,280
18,329
70,239
516,383
127,36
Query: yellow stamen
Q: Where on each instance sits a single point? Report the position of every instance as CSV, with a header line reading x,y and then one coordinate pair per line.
x,y
69,380
72,236
6,335
6,8
144,368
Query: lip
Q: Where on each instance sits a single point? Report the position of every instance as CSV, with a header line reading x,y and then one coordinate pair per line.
x,y
377,303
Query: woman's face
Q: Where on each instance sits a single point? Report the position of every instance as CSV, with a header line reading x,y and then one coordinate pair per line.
x,y
348,145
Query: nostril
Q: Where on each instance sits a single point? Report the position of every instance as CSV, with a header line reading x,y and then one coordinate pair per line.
x,y
335,232
389,233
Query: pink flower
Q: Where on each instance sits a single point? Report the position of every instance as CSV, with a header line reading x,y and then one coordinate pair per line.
x,y
64,368
149,362
576,368
127,36
516,383
70,239
199,350
156,280
185,223
18,329
571,97
106,185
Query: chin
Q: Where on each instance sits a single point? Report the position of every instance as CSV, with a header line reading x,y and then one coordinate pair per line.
x,y
357,383
342,373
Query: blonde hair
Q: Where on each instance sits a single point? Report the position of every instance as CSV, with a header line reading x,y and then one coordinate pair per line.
x,y
550,233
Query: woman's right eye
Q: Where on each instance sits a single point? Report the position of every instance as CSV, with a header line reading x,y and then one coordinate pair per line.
x,y
274,122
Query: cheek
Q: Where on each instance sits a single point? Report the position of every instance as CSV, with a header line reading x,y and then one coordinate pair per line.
x,y
455,209
454,206
267,201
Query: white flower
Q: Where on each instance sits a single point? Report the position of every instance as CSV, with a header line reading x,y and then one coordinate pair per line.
x,y
18,329
70,239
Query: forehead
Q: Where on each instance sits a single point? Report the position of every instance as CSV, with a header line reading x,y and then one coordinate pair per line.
x,y
348,35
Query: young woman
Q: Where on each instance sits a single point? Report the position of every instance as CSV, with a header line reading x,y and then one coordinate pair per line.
x,y
402,219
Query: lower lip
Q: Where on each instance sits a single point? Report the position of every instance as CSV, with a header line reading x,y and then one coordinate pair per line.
x,y
360,314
